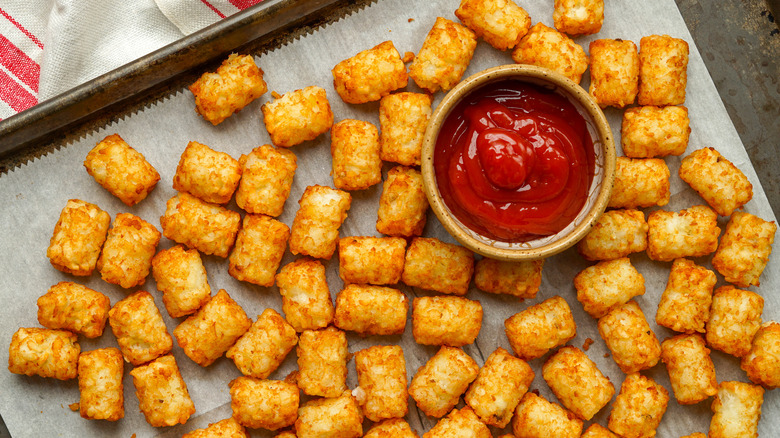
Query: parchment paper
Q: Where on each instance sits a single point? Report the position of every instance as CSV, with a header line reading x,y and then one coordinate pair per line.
x,y
33,196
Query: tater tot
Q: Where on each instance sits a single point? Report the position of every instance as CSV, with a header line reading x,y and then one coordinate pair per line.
x,y
354,147
403,118
74,307
392,428
629,338
437,386
540,328
207,335
236,83
691,370
640,183
78,236
744,249
126,258
501,23
181,277
371,310
266,180
498,388
44,352
322,362
735,317
614,72
209,228
100,385
381,373
536,417
459,423
266,404
305,295
121,170
762,362
598,431
403,206
546,47
263,347
371,260
444,56
259,249
521,279
298,116
688,233
685,303
445,320
638,408
439,266
607,285
370,75
162,393
227,428
717,180
577,382
736,410
578,17
206,174
663,70
315,229
651,131
695,435
616,234
338,417
139,328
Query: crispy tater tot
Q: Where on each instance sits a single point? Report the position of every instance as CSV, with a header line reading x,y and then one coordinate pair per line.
x,y
616,234
762,362
315,229
371,260
162,393
536,417
439,266
371,310
540,328
717,180
338,417
598,431
298,116
209,228
403,118
121,170
446,320
607,285
688,233
629,338
392,428
546,47
206,174
578,17
437,386
638,408
100,385
266,404
78,236
501,23
266,180
577,382
521,279
614,72
444,56
354,148
74,307
651,131
685,303
402,206
207,335
259,249
459,423
236,83
744,249
691,370
139,328
663,70
181,277
305,295
370,75
263,347
735,317
127,254
499,386
381,373
736,410
44,352
227,428
640,183
322,362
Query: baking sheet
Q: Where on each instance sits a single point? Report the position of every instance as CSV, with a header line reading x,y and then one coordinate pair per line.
x,y
33,195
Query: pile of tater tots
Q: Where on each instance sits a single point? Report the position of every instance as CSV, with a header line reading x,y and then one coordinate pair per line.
x,y
651,79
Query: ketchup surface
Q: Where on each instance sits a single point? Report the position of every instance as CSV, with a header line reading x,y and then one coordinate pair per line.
x,y
514,161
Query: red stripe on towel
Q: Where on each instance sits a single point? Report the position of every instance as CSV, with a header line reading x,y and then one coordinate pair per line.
x,y
14,94
19,64
243,4
213,8
20,27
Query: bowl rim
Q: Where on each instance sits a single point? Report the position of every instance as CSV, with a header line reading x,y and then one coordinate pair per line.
x,y
518,71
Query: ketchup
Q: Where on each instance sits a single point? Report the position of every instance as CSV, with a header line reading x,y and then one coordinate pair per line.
x,y
514,161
